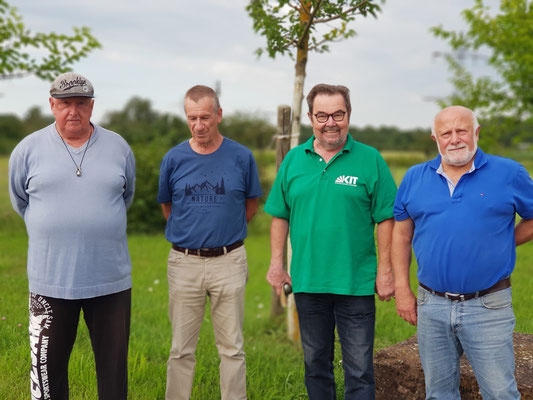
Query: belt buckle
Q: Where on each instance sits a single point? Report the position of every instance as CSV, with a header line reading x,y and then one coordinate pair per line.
x,y
205,251
454,296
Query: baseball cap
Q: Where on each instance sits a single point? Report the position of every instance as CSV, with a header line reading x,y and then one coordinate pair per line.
x,y
71,84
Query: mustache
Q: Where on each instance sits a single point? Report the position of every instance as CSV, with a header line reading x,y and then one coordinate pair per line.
x,y
463,146
330,129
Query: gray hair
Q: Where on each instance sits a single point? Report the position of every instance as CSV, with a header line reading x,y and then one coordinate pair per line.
x,y
199,92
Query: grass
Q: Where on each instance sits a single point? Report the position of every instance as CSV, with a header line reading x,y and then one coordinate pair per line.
x,y
274,364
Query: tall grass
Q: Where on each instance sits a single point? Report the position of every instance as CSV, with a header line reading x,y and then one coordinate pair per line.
x,y
274,364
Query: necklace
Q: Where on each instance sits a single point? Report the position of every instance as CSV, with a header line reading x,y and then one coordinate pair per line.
x,y
78,167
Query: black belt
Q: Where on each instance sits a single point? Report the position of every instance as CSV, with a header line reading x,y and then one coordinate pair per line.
x,y
503,284
206,252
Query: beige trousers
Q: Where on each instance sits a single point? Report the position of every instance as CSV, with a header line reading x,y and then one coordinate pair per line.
x,y
191,279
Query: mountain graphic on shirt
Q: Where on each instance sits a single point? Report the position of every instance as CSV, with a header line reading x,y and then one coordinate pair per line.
x,y
205,187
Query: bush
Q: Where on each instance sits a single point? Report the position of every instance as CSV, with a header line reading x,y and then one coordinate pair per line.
x,y
145,213
12,132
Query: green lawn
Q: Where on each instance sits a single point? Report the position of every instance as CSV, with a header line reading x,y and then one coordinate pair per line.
x,y
274,365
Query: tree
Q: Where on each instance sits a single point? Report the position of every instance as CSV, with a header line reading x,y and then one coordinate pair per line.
x,y
35,120
14,129
11,128
151,134
56,51
507,100
251,130
138,122
293,26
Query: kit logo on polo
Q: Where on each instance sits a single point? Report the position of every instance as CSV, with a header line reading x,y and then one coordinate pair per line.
x,y
347,180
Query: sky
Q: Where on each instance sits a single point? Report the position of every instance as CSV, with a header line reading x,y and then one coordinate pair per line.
x,y
157,49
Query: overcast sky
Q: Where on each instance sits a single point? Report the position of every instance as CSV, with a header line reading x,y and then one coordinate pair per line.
x,y
157,49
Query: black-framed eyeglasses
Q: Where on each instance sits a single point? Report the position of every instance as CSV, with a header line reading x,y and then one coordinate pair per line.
x,y
323,117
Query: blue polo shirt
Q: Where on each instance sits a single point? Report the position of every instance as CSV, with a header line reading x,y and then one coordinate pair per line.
x,y
465,242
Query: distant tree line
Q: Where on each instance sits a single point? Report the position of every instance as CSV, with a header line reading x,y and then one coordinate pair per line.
x,y
387,138
13,129
151,134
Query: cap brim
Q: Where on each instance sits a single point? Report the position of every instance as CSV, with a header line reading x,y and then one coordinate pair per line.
x,y
64,96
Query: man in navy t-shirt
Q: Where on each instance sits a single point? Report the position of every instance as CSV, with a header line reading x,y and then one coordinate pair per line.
x,y
209,190
459,211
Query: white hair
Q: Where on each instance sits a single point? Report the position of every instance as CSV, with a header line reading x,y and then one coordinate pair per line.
x,y
474,119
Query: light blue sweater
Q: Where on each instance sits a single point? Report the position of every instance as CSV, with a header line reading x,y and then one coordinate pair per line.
x,y
76,225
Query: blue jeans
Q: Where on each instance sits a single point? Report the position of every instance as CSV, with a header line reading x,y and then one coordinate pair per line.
x,y
482,328
354,317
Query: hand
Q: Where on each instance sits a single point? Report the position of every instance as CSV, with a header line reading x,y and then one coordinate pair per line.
x,y
385,284
277,276
406,305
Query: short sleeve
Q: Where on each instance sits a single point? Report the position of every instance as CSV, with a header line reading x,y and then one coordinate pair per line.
x,y
400,210
253,186
384,194
164,194
523,193
276,204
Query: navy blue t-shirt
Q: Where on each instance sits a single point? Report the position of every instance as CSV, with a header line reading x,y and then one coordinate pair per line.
x,y
208,193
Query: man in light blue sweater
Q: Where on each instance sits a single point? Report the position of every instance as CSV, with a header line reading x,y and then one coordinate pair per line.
x,y
72,183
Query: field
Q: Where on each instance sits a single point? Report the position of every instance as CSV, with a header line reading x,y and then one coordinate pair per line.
x,y
274,364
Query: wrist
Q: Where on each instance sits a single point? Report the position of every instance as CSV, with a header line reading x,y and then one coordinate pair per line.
x,y
402,288
276,265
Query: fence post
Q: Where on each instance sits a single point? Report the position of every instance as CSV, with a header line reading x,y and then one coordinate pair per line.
x,y
283,145
282,148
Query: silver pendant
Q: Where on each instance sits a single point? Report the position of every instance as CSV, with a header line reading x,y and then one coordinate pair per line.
x,y
78,172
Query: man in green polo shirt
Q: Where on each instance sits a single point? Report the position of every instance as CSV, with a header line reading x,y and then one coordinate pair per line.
x,y
331,192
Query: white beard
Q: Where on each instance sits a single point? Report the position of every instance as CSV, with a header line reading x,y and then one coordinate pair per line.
x,y
458,158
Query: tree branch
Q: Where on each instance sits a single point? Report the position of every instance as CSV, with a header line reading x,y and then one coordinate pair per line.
x,y
290,43
316,46
303,5
348,11
295,7
309,22
14,75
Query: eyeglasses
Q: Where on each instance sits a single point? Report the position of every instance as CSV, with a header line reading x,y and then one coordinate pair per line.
x,y
323,117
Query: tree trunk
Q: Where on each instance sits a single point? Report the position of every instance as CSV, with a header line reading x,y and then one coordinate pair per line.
x,y
299,79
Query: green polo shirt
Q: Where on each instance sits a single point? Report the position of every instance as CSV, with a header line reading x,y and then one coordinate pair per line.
x,y
332,210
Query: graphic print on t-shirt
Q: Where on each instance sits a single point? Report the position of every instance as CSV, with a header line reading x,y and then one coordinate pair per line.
x,y
205,194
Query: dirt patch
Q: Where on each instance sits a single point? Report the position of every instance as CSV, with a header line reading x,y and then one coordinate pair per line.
x,y
399,374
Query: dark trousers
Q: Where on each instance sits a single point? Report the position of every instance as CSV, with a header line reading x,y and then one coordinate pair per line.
x,y
53,327
354,317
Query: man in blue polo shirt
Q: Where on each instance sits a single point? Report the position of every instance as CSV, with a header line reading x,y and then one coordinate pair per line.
x,y
459,210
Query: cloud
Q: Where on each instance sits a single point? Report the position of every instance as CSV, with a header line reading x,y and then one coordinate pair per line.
x,y
158,49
